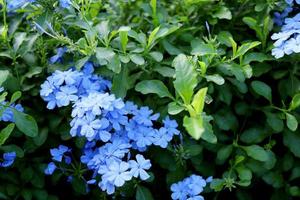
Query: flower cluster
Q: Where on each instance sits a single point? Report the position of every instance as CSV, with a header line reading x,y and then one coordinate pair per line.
x,y
8,159
288,39
16,4
65,87
105,120
190,188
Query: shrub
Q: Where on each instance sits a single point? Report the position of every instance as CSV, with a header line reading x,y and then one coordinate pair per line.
x,y
182,99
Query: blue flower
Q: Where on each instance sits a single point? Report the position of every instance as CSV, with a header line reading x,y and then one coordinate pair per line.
x,y
143,116
8,159
161,138
50,168
15,4
179,191
287,40
58,153
195,184
290,2
139,166
59,54
66,95
68,77
65,3
117,173
47,88
190,188
8,115
88,68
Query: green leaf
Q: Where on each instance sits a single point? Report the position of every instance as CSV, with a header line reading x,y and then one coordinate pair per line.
x,y
275,122
291,122
154,87
3,76
256,57
216,78
194,126
114,64
292,141
217,184
106,56
224,37
186,78
17,95
41,138
226,120
208,134
174,108
25,123
157,56
137,59
18,40
223,13
262,89
245,48
121,83
199,100
123,34
295,103
254,135
244,173
170,48
15,148
200,48
256,152
224,153
143,193
152,38
5,133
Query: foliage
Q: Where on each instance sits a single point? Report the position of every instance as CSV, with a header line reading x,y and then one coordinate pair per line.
x,y
207,64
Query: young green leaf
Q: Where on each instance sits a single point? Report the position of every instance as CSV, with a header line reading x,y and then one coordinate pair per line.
x,y
245,48
295,103
154,87
5,133
15,96
199,100
194,126
152,35
291,122
123,34
186,78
